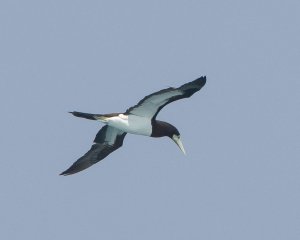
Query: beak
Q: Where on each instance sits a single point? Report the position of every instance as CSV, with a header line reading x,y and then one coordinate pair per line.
x,y
177,140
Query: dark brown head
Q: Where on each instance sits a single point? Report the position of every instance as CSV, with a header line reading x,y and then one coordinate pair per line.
x,y
164,129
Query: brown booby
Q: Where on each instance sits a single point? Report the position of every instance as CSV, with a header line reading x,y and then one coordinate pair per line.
x,y
139,119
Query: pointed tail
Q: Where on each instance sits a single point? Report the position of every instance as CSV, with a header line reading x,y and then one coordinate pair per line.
x,y
85,115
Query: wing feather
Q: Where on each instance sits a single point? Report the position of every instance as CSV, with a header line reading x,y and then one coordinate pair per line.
x,y
150,105
107,140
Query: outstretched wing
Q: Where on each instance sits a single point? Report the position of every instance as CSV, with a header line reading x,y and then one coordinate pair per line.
x,y
150,105
107,140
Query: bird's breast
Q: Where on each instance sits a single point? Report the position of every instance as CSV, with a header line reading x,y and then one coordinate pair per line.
x,y
131,124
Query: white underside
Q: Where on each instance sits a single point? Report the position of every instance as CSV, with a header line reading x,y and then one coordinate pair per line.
x,y
131,124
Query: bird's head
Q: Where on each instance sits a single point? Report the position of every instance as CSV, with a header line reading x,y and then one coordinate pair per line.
x,y
161,129
175,136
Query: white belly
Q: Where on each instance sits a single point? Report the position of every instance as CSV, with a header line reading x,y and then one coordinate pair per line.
x,y
131,124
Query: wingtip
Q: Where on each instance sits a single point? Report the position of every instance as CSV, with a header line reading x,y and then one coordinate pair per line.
x,y
67,172
63,174
202,78
71,170
201,81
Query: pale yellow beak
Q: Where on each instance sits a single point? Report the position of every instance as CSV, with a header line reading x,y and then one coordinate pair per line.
x,y
177,140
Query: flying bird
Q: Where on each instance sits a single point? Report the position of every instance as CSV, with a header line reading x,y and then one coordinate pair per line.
x,y
139,119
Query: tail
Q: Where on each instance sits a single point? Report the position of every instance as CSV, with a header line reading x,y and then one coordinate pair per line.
x,y
85,115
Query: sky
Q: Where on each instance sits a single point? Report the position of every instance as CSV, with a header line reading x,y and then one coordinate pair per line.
x,y
240,178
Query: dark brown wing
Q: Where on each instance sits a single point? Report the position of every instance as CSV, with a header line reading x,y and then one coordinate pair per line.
x,y
150,105
107,140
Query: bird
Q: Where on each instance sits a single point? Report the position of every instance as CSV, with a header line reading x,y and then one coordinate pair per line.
x,y
139,119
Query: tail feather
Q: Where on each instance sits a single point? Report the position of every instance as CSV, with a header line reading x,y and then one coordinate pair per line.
x,y
85,115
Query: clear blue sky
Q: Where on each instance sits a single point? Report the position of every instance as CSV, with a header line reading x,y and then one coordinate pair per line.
x,y
241,176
